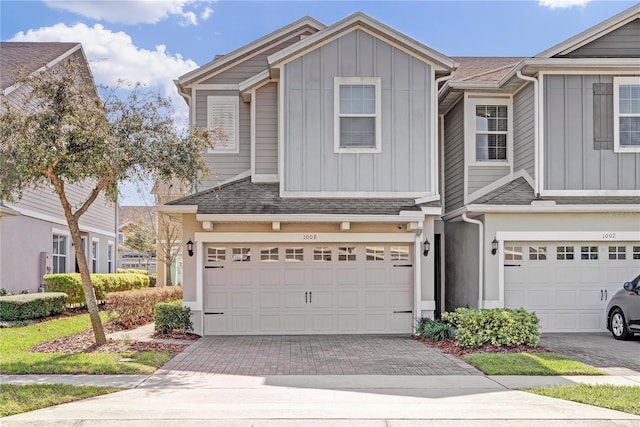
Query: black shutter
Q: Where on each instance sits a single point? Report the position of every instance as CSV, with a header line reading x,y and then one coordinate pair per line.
x,y
603,116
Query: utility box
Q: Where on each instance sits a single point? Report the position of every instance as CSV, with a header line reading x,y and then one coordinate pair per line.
x,y
46,267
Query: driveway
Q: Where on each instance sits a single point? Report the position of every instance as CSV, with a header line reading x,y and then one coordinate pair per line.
x,y
316,355
597,349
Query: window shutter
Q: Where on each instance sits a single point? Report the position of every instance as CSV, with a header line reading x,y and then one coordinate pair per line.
x,y
603,116
223,118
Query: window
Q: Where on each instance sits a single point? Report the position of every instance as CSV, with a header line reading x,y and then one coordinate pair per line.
x,y
564,253
322,254
374,253
293,255
617,252
59,253
222,114
357,115
346,253
626,112
636,252
94,256
399,253
588,252
110,258
269,255
537,253
241,255
513,253
216,254
488,130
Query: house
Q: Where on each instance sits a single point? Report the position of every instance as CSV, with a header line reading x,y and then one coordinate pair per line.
x,y
137,223
542,177
34,237
321,215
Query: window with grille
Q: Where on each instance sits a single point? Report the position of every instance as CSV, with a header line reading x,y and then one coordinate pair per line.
x,y
293,255
513,253
59,253
216,254
399,253
492,127
241,255
346,253
374,253
357,114
565,253
537,253
269,255
626,111
588,253
617,252
322,254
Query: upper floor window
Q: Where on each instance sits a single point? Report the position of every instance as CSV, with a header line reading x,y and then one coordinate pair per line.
x,y
357,115
626,112
222,115
489,130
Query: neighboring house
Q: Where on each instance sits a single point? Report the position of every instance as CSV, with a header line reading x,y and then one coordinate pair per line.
x,y
139,221
34,237
321,215
542,177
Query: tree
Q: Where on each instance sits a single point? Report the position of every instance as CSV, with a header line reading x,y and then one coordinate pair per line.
x,y
141,239
64,132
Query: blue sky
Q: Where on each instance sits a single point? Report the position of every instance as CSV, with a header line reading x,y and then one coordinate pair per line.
x,y
155,42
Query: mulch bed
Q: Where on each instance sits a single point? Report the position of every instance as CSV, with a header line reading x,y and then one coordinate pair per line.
x,y
449,346
177,336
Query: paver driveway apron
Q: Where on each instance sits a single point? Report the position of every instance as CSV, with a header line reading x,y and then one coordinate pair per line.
x,y
316,355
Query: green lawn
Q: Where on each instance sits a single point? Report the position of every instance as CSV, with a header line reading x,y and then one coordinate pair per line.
x,y
16,358
619,398
528,364
16,399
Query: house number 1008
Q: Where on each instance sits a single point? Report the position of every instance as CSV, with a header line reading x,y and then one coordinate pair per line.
x,y
309,237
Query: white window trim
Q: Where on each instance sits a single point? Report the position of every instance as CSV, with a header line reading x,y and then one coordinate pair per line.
x,y
470,129
617,81
96,241
67,235
337,82
111,253
225,100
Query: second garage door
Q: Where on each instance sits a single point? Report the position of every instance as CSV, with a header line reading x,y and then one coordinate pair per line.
x,y
308,289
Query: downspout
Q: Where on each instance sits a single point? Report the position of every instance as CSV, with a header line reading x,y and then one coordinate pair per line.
x,y
536,136
480,256
434,130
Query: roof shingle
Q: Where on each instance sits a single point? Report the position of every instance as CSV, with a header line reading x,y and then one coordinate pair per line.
x,y
20,57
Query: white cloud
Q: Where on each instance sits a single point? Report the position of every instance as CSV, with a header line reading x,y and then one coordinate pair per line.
x,y
206,13
562,4
113,56
134,11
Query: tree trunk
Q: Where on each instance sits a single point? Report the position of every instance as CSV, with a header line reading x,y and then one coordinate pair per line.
x,y
167,272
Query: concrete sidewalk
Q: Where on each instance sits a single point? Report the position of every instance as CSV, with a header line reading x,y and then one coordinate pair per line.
x,y
363,400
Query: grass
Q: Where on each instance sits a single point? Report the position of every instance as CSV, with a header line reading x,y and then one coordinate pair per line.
x,y
619,398
16,357
16,399
528,364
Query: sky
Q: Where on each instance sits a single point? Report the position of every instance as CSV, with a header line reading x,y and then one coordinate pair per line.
x,y
156,41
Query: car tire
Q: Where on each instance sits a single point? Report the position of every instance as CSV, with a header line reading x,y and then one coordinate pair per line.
x,y
618,325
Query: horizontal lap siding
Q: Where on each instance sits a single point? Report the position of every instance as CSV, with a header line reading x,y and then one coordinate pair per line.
x,y
266,129
571,162
481,176
623,42
454,158
524,131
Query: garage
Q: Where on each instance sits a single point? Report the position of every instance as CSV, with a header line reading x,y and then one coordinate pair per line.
x,y
567,283
323,288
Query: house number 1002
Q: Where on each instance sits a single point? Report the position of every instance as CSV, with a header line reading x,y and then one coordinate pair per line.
x,y
608,235
309,237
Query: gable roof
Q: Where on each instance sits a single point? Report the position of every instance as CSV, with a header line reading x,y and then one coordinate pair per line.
x,y
20,57
592,33
358,19
483,69
243,197
220,61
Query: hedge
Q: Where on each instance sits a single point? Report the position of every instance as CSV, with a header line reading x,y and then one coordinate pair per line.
x,y
171,317
499,327
71,284
138,307
132,271
32,306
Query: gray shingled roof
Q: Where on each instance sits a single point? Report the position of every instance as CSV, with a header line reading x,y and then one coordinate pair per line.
x,y
244,197
19,57
519,192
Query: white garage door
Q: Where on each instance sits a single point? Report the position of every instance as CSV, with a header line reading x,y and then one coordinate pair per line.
x,y
568,284
308,289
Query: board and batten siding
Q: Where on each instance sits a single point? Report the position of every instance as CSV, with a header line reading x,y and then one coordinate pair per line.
x,y
570,160
224,165
266,129
404,165
252,65
454,158
623,42
524,130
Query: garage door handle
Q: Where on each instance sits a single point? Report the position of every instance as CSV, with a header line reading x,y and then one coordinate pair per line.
x,y
214,266
403,311
213,312
309,297
403,265
601,295
305,297
606,295
512,265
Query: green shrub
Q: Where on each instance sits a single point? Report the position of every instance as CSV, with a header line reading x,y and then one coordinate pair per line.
x,y
499,327
71,284
138,307
132,271
171,317
153,280
32,306
434,329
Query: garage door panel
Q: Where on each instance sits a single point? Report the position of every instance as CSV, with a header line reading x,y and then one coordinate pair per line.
x,y
269,277
215,324
240,277
241,300
347,299
294,322
375,276
241,323
566,297
322,276
374,299
401,321
270,323
347,322
269,299
322,322
215,300
347,276
294,277
375,322
294,299
399,299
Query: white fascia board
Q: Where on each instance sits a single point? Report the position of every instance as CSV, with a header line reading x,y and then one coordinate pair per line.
x,y
568,236
552,209
474,85
287,54
7,211
351,194
309,237
253,81
589,193
246,49
402,217
179,209
593,33
436,211
62,221
427,199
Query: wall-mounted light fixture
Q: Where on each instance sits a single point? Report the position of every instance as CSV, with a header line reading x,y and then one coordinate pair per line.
x,y
426,246
190,247
494,246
